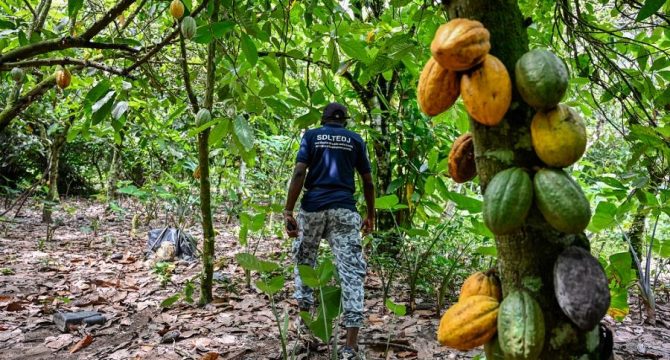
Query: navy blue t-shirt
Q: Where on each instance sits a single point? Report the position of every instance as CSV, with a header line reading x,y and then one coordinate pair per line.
x,y
331,153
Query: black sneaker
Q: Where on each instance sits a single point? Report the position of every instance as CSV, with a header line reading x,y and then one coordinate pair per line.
x,y
347,353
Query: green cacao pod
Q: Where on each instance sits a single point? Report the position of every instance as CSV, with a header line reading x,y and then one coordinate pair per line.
x,y
558,136
18,74
202,117
520,327
507,199
561,201
542,78
188,27
581,287
493,351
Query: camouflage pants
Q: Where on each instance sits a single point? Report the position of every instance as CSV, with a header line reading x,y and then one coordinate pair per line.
x,y
341,228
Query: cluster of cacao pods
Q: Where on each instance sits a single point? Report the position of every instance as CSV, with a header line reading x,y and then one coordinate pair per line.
x,y
188,25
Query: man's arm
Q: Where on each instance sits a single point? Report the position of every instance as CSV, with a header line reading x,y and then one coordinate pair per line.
x,y
297,182
369,194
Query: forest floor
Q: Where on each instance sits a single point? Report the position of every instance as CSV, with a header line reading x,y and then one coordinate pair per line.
x,y
105,270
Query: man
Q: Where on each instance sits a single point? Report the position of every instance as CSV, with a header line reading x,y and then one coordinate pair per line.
x,y
328,210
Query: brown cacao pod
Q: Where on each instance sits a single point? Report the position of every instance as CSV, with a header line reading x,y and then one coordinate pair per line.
x,y
438,88
462,166
581,287
196,173
481,283
487,91
63,78
469,323
460,44
176,9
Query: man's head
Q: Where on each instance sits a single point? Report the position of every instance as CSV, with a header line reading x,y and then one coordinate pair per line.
x,y
334,112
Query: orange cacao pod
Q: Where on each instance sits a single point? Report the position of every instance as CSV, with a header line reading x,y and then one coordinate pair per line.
x,y
460,44
487,91
469,323
438,88
63,78
481,283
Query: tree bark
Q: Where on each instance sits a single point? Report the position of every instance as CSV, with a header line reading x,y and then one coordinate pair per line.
x,y
113,176
54,159
203,162
525,258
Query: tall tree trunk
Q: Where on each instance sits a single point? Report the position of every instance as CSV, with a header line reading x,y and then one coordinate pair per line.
x,y
54,159
203,162
525,258
114,168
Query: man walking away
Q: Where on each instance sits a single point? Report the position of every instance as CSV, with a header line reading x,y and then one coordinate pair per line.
x,y
325,165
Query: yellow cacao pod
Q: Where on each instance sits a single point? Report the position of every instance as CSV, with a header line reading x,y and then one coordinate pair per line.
x,y
176,9
481,283
487,91
559,136
460,44
438,88
469,323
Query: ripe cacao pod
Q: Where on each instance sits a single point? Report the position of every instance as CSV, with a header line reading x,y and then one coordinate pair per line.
x,y
460,44
507,200
188,27
63,78
581,287
542,78
462,165
559,136
196,173
176,9
469,323
18,74
520,326
438,88
493,351
202,117
487,91
561,201
481,283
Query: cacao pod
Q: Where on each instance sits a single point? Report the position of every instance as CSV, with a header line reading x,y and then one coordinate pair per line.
x,y
18,74
63,78
559,136
507,200
196,173
520,327
481,283
542,78
438,88
462,165
469,323
493,351
561,201
176,9
487,91
188,27
460,44
581,287
202,117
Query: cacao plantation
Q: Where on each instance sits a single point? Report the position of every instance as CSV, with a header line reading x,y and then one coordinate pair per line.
x,y
463,179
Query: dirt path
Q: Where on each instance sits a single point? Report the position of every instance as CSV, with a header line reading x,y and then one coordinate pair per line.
x,y
105,271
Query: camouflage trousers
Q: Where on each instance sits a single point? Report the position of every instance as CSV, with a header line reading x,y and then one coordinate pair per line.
x,y
341,228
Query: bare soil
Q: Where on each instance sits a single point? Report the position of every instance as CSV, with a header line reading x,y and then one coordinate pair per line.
x,y
95,263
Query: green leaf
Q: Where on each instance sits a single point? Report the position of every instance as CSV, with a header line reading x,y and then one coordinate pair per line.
x,y
386,202
325,271
649,8
354,48
73,6
333,55
119,109
308,276
250,262
272,286
467,203
397,309
249,49
603,217
103,107
170,300
95,94
243,132
487,251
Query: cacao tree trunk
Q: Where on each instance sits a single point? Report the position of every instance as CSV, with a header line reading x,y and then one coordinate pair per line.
x,y
203,162
54,159
114,167
525,258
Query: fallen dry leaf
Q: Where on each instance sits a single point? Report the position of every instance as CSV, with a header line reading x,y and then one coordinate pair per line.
x,y
15,306
84,342
210,356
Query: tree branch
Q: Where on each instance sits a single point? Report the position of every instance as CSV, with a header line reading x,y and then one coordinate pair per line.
x,y
187,78
65,61
30,8
106,19
132,16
